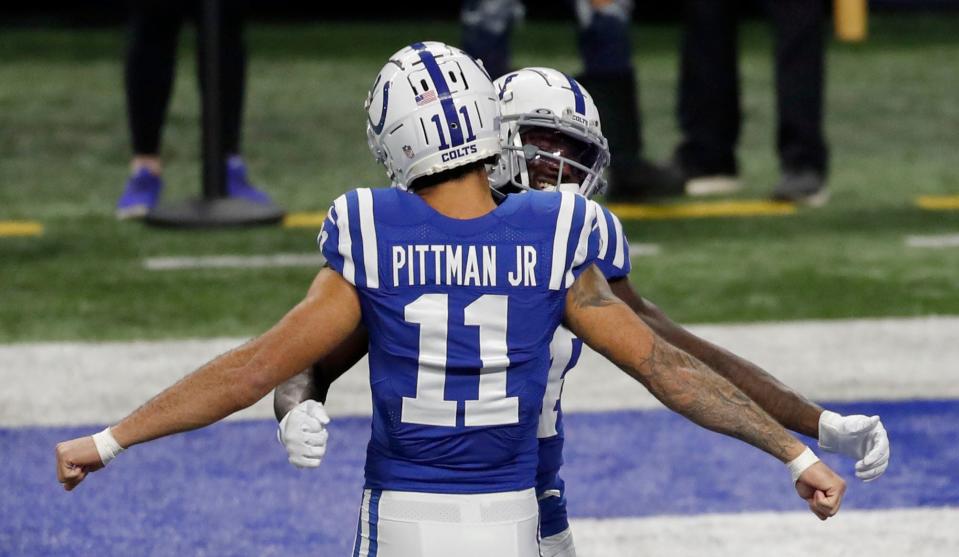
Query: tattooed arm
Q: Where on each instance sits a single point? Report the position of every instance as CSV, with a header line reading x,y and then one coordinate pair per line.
x,y
686,385
788,407
678,380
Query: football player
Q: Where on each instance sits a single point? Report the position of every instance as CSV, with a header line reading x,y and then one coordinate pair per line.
x,y
553,140
461,298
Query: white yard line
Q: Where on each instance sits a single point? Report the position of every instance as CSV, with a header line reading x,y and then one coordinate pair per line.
x,y
234,261
315,260
639,250
920,532
887,359
933,241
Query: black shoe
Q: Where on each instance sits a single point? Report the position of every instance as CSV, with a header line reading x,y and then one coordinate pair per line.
x,y
631,177
806,187
642,180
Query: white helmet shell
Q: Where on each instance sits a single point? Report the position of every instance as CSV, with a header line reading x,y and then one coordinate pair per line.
x,y
547,98
432,108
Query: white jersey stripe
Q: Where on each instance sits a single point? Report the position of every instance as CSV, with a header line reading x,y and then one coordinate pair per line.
x,y
561,352
345,246
564,222
582,247
368,233
620,258
603,232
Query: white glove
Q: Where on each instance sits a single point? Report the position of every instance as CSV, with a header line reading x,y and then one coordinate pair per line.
x,y
860,437
304,435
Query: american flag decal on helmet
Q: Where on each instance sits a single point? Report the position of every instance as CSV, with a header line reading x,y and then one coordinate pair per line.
x,y
427,97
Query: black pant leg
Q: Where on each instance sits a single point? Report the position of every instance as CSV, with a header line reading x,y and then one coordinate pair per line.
x,y
709,113
487,28
799,31
604,46
233,60
149,69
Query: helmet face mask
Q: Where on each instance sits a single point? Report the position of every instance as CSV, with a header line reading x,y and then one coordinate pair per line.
x,y
556,160
432,108
551,134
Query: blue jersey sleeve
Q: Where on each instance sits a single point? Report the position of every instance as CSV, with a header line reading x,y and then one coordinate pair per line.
x,y
576,243
348,239
613,257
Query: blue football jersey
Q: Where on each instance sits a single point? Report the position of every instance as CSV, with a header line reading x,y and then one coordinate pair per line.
x,y
460,315
565,349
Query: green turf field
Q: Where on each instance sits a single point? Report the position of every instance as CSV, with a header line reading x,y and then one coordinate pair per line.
x,y
892,118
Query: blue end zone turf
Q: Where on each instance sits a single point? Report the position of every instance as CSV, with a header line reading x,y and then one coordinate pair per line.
x,y
228,490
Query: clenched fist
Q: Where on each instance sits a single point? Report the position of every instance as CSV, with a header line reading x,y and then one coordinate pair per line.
x,y
822,489
75,459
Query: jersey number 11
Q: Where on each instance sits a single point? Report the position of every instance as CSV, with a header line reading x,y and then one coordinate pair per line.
x,y
493,407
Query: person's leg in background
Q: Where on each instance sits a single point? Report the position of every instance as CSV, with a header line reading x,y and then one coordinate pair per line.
x,y
148,72
486,29
708,108
800,36
233,57
609,77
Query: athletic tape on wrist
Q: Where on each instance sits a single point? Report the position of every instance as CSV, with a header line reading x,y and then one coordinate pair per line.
x,y
107,446
799,464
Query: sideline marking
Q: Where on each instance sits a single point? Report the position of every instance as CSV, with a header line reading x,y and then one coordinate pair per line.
x,y
285,260
637,250
918,532
933,241
746,208
857,359
20,228
234,261
304,220
938,202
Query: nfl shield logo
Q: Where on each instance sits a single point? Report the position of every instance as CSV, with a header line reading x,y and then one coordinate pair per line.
x,y
408,151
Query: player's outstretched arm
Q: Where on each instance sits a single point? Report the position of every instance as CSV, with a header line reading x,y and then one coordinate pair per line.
x,y
860,437
314,382
298,402
687,386
785,405
235,380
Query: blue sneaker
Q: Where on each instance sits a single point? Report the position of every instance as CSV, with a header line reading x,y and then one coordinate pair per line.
x,y
140,195
237,184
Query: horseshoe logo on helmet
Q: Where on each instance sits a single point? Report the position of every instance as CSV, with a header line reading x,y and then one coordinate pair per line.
x,y
378,127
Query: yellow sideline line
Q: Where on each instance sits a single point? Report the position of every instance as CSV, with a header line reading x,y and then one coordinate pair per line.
x,y
938,202
20,228
746,208
304,220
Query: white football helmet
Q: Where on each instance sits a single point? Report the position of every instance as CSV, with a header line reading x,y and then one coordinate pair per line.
x,y
431,108
552,138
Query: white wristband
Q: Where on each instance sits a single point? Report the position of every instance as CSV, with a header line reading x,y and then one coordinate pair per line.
x,y
107,446
799,464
